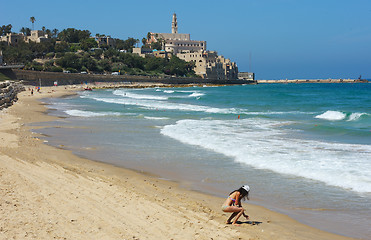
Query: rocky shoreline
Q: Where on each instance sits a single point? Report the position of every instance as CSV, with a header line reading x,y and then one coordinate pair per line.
x,y
8,93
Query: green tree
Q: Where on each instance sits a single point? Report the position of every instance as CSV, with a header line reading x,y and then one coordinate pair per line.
x,y
28,32
100,35
5,29
41,49
104,64
55,33
156,45
88,43
119,43
72,35
48,32
19,53
56,69
35,66
155,64
178,67
97,53
144,41
132,60
62,47
23,30
33,20
129,44
111,54
69,60
89,63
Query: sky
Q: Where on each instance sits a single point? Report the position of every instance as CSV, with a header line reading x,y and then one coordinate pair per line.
x,y
276,39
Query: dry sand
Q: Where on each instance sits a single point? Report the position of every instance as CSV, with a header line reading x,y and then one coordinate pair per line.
x,y
49,193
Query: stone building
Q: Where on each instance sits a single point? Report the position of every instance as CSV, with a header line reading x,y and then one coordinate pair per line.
x,y
207,64
175,42
12,38
148,52
105,40
143,52
37,36
246,76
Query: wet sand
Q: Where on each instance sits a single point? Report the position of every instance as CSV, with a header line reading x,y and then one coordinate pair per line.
x,y
49,193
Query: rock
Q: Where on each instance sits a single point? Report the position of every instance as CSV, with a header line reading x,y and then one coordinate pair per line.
x,y
8,93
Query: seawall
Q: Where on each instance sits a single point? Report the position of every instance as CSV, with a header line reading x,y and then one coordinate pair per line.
x,y
37,78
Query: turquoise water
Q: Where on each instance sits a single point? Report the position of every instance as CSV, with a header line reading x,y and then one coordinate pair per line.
x,y
305,149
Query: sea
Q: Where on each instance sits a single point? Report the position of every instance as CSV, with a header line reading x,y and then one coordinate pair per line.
x,y
304,149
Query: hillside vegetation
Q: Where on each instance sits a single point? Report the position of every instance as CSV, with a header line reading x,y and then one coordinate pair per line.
x,y
75,51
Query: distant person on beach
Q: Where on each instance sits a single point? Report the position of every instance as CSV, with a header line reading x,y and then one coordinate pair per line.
x,y
233,204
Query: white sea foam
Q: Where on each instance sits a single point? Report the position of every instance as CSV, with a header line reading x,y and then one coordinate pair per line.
x,y
332,115
163,105
196,94
80,113
356,116
138,96
168,91
185,91
156,118
262,144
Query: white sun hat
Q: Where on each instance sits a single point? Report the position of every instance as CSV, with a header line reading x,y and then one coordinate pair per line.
x,y
246,187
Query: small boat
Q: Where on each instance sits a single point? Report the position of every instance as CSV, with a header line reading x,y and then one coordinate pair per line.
x,y
88,89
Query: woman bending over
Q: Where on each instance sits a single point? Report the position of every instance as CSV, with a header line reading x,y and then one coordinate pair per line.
x,y
233,203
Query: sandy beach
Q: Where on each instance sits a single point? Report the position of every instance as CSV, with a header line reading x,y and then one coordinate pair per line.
x,y
49,193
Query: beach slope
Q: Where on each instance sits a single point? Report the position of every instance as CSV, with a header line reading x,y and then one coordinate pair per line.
x,y
49,193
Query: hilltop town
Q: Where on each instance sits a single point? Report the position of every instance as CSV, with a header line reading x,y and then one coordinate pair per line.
x,y
76,51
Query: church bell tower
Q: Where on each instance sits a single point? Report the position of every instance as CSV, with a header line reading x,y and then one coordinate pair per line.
x,y
174,25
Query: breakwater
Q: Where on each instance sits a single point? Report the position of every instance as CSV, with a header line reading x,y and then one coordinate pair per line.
x,y
8,93
314,81
37,78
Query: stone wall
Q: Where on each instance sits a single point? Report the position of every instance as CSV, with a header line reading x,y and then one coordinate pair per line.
x,y
8,93
37,78
7,73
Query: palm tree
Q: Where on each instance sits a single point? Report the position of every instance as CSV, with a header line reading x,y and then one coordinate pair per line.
x,y
48,32
55,32
33,20
23,30
7,28
144,41
28,31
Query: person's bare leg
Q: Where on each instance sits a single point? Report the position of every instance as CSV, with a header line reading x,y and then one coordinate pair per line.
x,y
238,216
235,211
231,217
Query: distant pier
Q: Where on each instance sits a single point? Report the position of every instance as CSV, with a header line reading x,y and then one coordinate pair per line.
x,y
314,81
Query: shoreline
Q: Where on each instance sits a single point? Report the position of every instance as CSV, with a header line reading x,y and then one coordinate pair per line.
x,y
49,192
